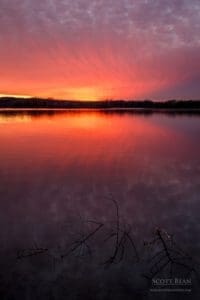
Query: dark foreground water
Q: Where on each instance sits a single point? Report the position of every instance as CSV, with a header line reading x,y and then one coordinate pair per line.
x,y
99,205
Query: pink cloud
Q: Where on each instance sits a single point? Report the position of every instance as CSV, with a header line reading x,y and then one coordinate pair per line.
x,y
126,48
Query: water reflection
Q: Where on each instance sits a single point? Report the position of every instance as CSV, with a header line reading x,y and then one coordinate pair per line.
x,y
55,112
55,166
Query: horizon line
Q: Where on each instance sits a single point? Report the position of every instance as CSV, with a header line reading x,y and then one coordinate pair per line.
x,y
26,97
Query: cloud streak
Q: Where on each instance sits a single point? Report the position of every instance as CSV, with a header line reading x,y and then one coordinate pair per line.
x,y
102,49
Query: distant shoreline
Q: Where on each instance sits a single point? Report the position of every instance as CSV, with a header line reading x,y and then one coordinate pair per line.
x,y
103,109
9,103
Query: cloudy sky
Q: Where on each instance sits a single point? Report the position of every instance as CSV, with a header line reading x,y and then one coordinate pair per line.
x,y
97,49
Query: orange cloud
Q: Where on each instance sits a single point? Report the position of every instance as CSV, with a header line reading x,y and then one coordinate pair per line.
x,y
80,51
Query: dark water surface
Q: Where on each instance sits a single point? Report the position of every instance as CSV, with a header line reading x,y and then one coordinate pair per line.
x,y
58,169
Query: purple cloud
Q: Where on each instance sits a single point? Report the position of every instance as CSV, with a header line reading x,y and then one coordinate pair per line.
x,y
141,47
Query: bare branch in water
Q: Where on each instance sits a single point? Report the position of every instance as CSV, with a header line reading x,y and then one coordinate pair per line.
x,y
30,252
169,255
82,241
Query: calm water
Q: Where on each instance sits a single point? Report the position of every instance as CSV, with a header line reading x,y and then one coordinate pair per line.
x,y
56,166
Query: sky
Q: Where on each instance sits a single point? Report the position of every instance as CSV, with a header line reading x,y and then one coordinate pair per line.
x,y
100,49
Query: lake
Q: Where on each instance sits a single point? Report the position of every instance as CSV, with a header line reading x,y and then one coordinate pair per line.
x,y
62,169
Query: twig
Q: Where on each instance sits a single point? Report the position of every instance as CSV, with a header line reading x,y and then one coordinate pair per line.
x,y
83,240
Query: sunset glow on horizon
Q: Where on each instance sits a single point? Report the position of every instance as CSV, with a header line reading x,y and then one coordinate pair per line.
x,y
97,50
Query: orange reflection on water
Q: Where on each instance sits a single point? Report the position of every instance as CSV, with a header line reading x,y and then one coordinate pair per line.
x,y
84,137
